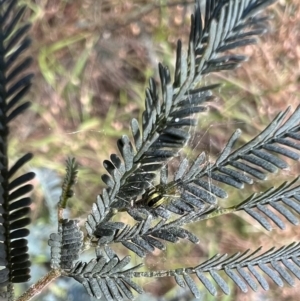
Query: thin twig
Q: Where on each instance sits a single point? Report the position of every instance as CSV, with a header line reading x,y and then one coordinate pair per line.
x,y
36,288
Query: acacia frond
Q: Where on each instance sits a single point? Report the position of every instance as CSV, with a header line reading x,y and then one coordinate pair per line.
x,y
143,238
15,207
167,119
283,199
246,270
69,181
226,25
107,277
237,167
253,159
65,245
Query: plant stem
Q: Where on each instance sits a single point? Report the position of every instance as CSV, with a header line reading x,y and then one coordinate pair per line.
x,y
36,288
219,211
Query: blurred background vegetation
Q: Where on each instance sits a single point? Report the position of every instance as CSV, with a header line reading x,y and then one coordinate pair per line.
x,y
92,61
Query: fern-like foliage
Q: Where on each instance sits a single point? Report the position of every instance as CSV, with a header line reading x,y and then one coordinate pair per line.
x,y
160,211
67,243
245,270
14,207
283,199
237,167
69,181
225,25
105,275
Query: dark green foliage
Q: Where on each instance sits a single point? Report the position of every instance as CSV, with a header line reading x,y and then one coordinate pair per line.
x,y
14,209
284,199
191,196
233,168
246,270
65,245
167,120
160,209
107,277
69,181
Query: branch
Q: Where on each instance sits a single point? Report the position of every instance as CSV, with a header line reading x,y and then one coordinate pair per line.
x,y
36,288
